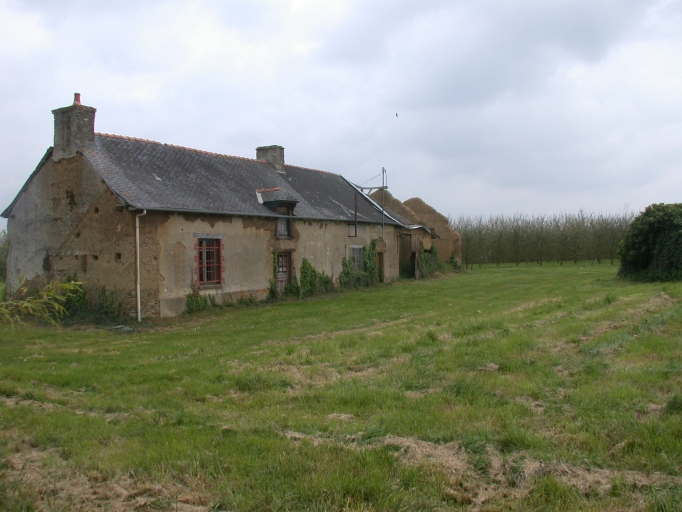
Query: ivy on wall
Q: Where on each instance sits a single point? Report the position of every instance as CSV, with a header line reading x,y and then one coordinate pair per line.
x,y
428,261
351,278
313,282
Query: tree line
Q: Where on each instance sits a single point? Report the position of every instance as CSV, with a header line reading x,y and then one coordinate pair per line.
x,y
521,238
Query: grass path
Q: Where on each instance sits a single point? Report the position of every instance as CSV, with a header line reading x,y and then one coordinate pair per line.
x,y
520,388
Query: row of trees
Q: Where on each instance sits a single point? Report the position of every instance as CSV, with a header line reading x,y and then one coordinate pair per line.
x,y
520,238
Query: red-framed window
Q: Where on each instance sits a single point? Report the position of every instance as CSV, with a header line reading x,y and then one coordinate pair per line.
x,y
209,261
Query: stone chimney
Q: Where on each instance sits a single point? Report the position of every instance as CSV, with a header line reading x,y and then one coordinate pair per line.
x,y
274,155
73,125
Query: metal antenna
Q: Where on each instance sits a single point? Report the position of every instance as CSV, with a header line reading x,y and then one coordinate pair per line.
x,y
383,199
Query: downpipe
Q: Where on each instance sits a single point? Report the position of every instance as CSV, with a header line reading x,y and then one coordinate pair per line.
x,y
137,254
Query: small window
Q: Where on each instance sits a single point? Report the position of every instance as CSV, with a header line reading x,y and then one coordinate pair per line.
x,y
358,255
209,261
352,230
283,224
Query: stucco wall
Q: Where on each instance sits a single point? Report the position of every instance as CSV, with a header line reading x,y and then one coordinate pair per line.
x,y
248,246
248,263
45,213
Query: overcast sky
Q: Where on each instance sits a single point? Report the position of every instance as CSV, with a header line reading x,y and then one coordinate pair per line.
x,y
532,106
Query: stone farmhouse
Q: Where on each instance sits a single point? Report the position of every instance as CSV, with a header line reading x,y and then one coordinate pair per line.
x,y
156,221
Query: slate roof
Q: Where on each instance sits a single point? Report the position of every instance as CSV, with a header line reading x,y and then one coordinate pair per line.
x,y
155,176
150,175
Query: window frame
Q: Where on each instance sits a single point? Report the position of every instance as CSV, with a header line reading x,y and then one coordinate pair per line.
x,y
209,258
358,264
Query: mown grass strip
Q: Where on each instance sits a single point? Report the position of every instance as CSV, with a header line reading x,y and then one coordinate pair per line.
x,y
412,396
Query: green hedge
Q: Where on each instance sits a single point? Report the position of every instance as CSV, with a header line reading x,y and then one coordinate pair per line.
x,y
652,247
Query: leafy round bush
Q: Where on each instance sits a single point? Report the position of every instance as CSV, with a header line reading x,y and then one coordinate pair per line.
x,y
652,247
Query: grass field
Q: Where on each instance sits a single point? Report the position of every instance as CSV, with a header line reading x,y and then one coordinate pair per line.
x,y
515,388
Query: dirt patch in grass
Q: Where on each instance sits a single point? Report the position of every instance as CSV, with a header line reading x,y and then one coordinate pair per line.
x,y
506,478
370,330
562,372
360,371
533,304
49,406
422,393
514,478
414,451
14,401
345,418
41,477
490,367
536,406
308,378
588,479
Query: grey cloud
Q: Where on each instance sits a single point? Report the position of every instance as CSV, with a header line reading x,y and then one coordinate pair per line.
x,y
449,53
488,121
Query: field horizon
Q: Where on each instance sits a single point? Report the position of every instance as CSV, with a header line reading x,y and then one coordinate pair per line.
x,y
513,387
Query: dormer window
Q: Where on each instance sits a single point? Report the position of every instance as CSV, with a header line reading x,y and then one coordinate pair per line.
x,y
281,203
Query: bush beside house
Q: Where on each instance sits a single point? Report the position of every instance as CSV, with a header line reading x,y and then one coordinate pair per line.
x,y
652,247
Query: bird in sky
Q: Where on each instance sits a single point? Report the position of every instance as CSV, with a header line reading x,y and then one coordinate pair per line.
x,y
396,114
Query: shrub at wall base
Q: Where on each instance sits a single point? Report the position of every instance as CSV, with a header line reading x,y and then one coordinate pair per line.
x,y
104,310
428,261
312,281
47,305
351,278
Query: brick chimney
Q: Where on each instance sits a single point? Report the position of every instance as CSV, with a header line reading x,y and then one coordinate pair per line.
x,y
274,155
73,126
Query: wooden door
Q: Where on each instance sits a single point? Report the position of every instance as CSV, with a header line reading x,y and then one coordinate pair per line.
x,y
283,270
